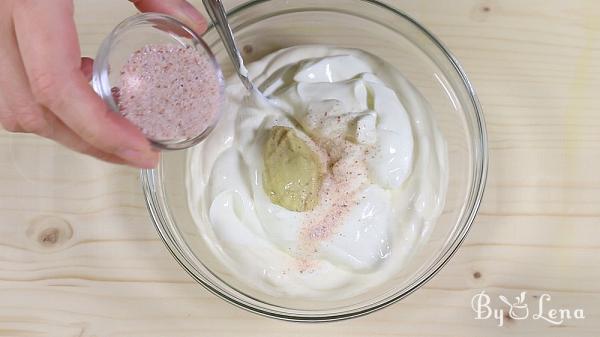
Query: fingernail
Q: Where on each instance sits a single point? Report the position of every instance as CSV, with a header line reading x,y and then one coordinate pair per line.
x,y
138,158
193,17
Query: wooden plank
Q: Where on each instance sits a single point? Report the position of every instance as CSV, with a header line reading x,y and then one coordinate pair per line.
x,y
79,256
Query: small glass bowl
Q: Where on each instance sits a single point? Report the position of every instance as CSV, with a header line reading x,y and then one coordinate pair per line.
x,y
131,35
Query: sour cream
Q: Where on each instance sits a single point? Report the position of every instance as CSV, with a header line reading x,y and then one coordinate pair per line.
x,y
387,165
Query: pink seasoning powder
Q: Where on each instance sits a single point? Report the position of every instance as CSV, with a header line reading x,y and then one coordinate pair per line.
x,y
170,92
346,176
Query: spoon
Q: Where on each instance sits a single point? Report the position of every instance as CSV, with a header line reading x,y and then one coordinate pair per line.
x,y
216,11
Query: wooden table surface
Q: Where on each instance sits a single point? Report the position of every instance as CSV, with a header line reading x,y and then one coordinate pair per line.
x,y
80,257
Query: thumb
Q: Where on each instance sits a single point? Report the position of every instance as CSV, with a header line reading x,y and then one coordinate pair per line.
x,y
179,9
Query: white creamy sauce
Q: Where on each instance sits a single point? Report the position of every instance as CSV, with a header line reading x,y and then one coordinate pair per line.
x,y
359,111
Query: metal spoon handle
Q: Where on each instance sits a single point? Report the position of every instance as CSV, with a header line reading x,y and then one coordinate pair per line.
x,y
216,11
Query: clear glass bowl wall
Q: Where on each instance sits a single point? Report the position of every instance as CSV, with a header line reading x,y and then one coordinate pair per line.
x,y
262,27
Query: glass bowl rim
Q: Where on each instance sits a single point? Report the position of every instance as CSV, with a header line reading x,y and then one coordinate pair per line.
x,y
479,176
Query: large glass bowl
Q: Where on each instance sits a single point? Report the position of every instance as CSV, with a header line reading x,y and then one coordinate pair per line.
x,y
264,26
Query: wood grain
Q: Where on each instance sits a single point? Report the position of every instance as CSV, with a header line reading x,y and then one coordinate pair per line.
x,y
80,258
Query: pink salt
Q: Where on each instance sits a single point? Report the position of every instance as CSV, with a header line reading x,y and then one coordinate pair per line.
x,y
170,92
346,176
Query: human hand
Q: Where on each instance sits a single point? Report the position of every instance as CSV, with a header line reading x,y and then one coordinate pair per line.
x,y
44,85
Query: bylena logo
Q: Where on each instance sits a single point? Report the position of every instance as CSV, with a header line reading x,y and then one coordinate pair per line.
x,y
519,309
